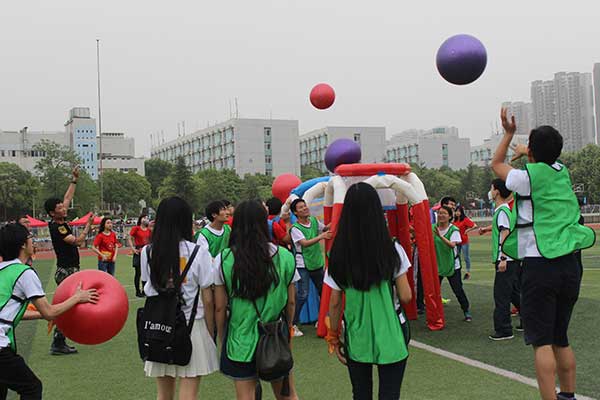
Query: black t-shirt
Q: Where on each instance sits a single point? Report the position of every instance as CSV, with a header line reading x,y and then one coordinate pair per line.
x,y
66,255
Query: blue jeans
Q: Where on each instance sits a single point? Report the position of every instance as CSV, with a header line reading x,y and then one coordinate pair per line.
x,y
107,266
302,286
464,249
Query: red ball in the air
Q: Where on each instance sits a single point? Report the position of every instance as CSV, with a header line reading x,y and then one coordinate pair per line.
x,y
322,96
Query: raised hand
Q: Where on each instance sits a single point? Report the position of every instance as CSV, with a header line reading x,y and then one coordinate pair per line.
x,y
510,127
519,151
75,172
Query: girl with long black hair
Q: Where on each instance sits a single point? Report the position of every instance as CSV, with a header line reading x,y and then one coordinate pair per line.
x,y
253,276
170,249
366,265
106,246
141,235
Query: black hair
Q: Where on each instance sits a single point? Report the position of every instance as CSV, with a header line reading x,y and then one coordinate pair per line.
x,y
51,203
12,238
448,210
462,214
103,224
226,203
295,204
173,224
500,186
214,208
363,253
274,205
545,144
139,221
253,269
446,199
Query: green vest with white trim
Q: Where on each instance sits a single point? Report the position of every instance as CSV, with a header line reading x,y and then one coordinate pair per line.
x,y
216,243
242,328
496,232
9,275
555,213
312,255
445,255
373,332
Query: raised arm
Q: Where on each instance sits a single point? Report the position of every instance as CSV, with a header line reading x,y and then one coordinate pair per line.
x,y
79,240
71,189
499,166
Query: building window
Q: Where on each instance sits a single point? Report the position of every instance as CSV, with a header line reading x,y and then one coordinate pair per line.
x,y
357,137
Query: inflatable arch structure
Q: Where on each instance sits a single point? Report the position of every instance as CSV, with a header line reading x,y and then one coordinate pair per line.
x,y
399,189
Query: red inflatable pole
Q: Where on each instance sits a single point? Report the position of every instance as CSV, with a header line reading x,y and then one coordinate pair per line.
x,y
403,235
428,265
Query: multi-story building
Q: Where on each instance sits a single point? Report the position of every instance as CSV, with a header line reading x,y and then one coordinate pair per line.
x,y
80,136
481,155
597,98
567,103
313,144
523,113
118,153
81,130
247,146
436,148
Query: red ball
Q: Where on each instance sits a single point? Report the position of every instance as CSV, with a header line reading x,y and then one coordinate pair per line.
x,y
93,323
322,96
283,185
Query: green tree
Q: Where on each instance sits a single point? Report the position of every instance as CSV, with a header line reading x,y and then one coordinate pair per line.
x,y
584,167
125,190
309,172
218,185
256,186
157,171
182,183
19,190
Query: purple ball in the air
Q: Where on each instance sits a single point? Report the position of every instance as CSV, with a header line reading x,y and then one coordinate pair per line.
x,y
342,151
461,59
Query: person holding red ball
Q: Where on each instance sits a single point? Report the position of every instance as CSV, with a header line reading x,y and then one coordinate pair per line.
x,y
20,285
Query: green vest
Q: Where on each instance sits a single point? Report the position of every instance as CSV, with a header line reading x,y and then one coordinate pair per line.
x,y
555,215
373,331
312,255
242,332
216,243
9,276
445,255
496,232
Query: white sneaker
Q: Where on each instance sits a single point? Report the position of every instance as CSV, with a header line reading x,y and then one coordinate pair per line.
x,y
297,332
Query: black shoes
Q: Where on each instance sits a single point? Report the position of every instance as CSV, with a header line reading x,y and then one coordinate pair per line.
x,y
496,337
62,349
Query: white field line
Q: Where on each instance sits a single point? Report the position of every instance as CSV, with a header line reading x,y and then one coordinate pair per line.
x,y
486,367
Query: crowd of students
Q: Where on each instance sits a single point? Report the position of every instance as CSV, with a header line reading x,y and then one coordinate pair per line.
x,y
251,267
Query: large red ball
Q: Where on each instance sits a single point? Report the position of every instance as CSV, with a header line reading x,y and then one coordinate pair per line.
x,y
322,96
93,323
283,185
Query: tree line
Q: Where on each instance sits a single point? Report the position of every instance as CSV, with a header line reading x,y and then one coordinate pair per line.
x,y
126,192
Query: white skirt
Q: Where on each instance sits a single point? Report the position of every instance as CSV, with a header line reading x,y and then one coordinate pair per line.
x,y
204,360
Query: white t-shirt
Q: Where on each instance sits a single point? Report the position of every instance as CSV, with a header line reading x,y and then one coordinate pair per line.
x,y
400,270
297,236
27,287
218,271
200,276
518,181
455,237
503,223
202,239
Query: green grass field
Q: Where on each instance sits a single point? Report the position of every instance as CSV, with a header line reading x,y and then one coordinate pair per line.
x,y
114,371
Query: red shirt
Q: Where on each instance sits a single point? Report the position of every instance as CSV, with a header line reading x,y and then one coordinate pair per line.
x,y
140,236
106,244
279,230
229,221
462,227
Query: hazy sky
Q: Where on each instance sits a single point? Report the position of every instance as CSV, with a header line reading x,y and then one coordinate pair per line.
x,y
169,61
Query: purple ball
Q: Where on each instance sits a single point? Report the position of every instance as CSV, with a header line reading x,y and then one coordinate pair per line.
x,y
342,151
461,59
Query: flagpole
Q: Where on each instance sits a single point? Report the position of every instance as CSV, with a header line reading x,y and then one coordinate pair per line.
x,y
101,155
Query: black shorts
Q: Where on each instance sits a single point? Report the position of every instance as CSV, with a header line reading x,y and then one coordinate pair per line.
x,y
549,291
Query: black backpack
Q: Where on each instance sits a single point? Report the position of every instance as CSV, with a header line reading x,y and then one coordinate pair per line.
x,y
163,332
273,353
